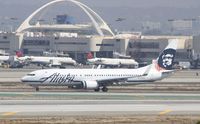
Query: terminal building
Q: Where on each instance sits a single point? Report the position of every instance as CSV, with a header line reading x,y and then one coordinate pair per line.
x,y
79,39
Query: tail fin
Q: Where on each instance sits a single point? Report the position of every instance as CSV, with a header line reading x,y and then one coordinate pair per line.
x,y
19,53
165,60
89,55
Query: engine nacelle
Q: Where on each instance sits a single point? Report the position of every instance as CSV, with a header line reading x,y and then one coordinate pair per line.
x,y
90,84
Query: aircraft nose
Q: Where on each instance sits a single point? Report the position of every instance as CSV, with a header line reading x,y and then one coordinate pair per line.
x,y
24,79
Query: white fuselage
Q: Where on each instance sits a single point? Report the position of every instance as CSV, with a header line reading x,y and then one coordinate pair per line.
x,y
51,60
4,58
113,61
11,58
72,76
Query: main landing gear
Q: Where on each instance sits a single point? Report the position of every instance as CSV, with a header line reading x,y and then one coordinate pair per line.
x,y
104,89
37,89
97,89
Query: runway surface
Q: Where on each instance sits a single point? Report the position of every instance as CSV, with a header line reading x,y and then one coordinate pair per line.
x,y
96,96
72,104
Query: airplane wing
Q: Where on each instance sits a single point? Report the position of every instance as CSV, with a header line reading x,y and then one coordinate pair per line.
x,y
112,80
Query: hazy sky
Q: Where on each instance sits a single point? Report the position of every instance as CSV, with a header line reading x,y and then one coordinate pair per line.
x,y
130,3
133,10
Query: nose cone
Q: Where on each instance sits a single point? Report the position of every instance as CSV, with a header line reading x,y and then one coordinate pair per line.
x,y
74,62
24,79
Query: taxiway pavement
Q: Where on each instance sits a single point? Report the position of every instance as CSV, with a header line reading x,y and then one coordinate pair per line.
x,y
72,104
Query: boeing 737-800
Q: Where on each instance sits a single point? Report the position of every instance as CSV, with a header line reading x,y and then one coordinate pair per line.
x,y
97,79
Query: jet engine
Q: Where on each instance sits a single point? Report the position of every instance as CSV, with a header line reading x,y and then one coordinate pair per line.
x,y
90,84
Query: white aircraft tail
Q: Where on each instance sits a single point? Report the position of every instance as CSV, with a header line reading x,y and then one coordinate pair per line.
x,y
162,66
165,60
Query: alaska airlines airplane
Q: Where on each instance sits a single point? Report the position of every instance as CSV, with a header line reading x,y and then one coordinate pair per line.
x,y
97,79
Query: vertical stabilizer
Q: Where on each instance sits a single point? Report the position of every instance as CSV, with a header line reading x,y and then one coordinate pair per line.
x,y
166,58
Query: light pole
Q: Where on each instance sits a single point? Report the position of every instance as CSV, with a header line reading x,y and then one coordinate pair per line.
x,y
13,23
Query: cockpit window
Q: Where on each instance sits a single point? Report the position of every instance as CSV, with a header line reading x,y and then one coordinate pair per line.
x,y
31,74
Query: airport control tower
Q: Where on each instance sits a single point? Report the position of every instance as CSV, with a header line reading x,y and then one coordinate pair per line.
x,y
64,19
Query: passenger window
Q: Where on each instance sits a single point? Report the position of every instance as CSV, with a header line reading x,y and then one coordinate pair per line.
x,y
31,74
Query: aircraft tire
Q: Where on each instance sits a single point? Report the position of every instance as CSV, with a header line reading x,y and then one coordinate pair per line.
x,y
37,89
104,89
97,89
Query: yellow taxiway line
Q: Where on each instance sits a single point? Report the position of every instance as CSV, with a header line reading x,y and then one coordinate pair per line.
x,y
9,113
165,112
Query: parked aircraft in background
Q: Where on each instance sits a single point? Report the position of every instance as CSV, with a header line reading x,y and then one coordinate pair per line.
x,y
50,61
19,60
97,79
119,55
55,54
13,61
4,58
114,62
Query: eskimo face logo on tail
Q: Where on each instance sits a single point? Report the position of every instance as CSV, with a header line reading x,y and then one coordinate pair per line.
x,y
166,59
